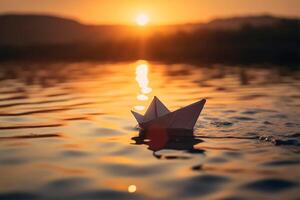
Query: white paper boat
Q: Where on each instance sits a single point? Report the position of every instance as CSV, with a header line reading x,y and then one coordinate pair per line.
x,y
159,115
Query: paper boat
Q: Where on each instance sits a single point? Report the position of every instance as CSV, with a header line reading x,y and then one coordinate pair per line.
x,y
159,115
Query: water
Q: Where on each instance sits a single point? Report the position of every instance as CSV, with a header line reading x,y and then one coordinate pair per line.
x,y
66,132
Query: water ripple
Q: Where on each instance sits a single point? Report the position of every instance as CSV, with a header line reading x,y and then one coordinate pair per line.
x,y
271,185
30,126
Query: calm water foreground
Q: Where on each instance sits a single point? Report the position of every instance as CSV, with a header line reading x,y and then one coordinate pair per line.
x,y
66,132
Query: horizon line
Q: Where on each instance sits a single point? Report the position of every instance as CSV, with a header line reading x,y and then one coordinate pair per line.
x,y
78,20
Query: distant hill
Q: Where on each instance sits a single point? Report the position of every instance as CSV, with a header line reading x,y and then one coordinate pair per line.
x,y
237,22
37,29
41,29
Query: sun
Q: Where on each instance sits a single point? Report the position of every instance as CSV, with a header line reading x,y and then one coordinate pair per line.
x,y
142,19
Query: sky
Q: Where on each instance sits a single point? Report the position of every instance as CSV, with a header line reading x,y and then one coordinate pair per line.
x,y
158,11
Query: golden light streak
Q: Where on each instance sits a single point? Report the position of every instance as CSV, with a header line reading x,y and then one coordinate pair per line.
x,y
141,77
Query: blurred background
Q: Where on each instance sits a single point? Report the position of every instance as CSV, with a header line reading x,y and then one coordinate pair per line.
x,y
203,31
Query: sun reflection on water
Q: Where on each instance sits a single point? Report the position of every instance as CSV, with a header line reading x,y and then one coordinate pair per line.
x,y
141,76
139,107
142,97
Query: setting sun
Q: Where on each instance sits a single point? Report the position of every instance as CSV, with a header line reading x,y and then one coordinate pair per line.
x,y
142,20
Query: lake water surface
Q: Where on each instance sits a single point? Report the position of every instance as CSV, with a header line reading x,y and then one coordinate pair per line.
x,y
66,132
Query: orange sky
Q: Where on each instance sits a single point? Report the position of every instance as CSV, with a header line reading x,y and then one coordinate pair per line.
x,y
159,11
